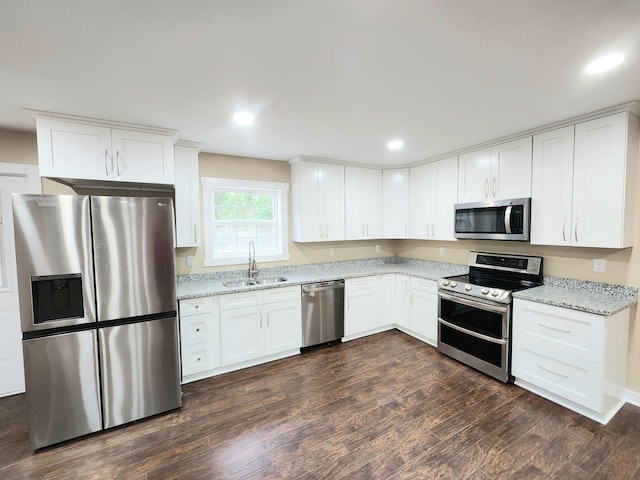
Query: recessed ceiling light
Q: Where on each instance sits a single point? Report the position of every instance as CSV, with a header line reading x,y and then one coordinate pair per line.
x,y
395,144
605,63
243,118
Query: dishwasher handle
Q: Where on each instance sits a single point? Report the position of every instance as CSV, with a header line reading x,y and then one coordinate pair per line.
x,y
320,286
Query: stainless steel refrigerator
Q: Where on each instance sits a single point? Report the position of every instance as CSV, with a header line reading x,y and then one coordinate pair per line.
x,y
97,305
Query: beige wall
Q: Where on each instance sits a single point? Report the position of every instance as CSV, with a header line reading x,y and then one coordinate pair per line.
x,y
227,166
623,266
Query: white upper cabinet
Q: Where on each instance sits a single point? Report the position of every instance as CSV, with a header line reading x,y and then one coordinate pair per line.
x,y
76,151
363,203
317,201
187,194
500,172
552,187
433,191
604,175
420,201
585,196
395,203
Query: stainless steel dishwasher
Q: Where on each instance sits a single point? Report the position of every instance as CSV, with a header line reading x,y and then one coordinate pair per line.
x,y
322,312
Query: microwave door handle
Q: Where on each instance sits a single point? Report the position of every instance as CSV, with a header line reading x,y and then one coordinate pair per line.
x,y
507,219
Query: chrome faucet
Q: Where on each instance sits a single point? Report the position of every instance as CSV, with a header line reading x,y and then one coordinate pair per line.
x,y
253,266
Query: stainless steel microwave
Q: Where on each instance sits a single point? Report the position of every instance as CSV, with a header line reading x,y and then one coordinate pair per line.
x,y
494,220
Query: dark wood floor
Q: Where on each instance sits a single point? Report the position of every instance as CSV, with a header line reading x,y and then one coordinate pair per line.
x,y
382,407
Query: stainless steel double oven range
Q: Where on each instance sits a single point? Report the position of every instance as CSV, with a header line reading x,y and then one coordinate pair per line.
x,y
474,310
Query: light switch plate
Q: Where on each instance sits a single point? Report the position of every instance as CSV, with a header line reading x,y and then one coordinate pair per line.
x,y
331,252
599,265
191,261
442,251
377,248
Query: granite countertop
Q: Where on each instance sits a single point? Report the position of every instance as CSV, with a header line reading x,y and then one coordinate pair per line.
x,y
591,297
207,284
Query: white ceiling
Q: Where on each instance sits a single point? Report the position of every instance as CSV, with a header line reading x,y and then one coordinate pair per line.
x,y
335,79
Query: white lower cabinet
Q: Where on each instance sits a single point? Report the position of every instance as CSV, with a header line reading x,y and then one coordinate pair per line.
x,y
570,357
199,337
222,333
403,301
423,303
360,305
260,324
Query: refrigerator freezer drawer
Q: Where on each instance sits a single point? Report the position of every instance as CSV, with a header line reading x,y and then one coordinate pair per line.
x,y
140,370
63,392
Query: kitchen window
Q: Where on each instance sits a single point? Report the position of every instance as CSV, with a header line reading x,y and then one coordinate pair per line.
x,y
237,212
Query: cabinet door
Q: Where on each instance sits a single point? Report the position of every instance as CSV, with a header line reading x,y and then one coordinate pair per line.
x,y
386,300
241,335
552,187
474,170
444,194
424,309
511,170
333,202
283,325
187,192
142,157
420,198
395,203
403,301
361,307
74,150
372,202
353,203
310,225
599,176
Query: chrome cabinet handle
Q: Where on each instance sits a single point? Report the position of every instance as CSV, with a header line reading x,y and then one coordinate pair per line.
x,y
260,318
118,157
564,230
321,229
362,229
406,229
367,224
486,188
576,231
268,317
195,233
106,165
494,188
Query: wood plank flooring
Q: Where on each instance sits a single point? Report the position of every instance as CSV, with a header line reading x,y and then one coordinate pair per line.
x,y
382,407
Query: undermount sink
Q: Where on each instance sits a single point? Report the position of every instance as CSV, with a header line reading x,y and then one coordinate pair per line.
x,y
247,282
267,281
239,283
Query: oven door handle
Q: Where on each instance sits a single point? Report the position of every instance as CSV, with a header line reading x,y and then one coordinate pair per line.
x,y
499,341
473,303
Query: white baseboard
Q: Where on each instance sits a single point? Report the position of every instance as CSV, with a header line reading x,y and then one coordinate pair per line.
x,y
632,397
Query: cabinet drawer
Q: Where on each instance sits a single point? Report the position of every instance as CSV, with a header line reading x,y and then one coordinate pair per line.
x,y
281,294
575,333
198,358
196,329
239,300
353,284
575,379
194,306
423,284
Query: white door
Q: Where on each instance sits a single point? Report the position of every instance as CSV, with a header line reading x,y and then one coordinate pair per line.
x,y
13,179
142,157
444,181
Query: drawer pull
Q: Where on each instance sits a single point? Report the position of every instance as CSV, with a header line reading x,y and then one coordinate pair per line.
x,y
556,374
552,330
198,359
197,329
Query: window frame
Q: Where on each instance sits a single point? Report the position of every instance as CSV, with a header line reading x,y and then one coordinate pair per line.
x,y
280,189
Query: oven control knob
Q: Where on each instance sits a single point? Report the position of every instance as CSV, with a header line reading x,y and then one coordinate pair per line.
x,y
454,284
494,293
484,291
445,283
468,287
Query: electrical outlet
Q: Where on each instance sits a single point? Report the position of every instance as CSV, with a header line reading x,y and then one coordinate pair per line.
x,y
191,261
442,251
599,265
377,248
331,252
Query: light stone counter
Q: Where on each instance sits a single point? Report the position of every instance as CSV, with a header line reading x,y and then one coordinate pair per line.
x,y
207,284
591,297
